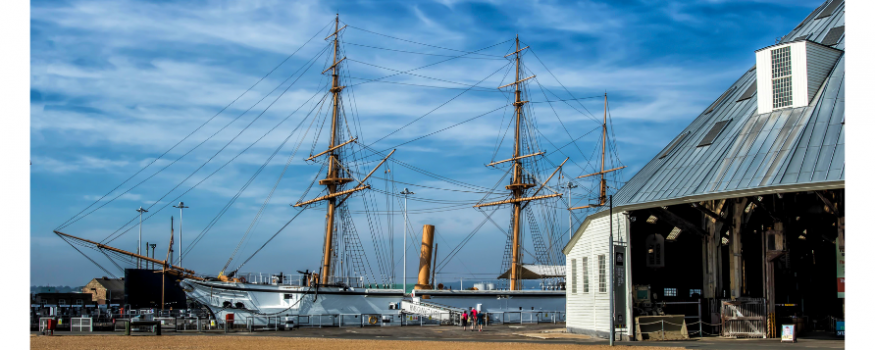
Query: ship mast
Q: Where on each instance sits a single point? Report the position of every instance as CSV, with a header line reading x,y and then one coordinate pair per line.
x,y
334,180
603,185
518,185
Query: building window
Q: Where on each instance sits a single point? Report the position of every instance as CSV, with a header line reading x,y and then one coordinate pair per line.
x,y
573,276
655,250
79,302
695,293
670,292
782,90
42,303
62,302
603,277
585,266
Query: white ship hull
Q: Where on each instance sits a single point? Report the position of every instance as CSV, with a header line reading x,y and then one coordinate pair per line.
x,y
267,303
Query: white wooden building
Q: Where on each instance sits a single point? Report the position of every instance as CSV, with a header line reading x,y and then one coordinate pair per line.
x,y
587,268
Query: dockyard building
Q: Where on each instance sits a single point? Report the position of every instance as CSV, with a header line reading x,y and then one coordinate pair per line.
x,y
742,212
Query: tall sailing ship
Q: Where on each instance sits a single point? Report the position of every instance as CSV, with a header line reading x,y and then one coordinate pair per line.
x,y
331,291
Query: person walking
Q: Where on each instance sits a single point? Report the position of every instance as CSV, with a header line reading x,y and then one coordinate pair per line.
x,y
473,318
464,318
481,320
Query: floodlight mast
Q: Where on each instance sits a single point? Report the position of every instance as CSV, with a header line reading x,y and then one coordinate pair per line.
x,y
140,235
180,206
404,274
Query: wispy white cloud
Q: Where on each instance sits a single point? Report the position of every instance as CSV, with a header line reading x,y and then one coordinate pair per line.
x,y
116,84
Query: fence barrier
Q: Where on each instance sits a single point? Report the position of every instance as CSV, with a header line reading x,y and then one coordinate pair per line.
x,y
744,318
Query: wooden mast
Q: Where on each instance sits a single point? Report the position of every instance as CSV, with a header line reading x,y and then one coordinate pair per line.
x,y
603,185
515,268
518,185
332,180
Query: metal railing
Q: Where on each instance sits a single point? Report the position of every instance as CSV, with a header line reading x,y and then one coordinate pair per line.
x,y
81,324
301,280
744,318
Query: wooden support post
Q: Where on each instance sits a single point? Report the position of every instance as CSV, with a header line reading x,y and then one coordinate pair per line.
x,y
735,259
711,257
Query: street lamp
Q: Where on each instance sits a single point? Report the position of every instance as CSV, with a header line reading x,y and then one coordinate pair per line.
x,y
140,236
569,186
153,254
404,278
180,206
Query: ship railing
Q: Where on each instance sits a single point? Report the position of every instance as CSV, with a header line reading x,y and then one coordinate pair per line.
x,y
300,280
295,280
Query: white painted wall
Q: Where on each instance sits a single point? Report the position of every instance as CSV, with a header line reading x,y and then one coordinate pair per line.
x,y
589,312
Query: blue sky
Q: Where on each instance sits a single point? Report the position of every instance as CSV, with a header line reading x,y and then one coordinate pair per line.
x,y
115,84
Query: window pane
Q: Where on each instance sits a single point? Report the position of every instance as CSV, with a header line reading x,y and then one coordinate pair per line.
x,y
585,275
603,278
573,276
782,91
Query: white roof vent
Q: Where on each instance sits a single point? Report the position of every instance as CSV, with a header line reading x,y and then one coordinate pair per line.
x,y
788,75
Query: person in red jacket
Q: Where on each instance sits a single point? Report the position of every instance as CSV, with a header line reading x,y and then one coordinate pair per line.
x,y
464,317
473,318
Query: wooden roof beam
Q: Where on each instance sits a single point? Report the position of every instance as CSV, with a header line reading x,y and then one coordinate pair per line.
x,y
677,221
714,216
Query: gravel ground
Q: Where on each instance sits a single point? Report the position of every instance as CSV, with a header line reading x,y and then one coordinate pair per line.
x,y
268,343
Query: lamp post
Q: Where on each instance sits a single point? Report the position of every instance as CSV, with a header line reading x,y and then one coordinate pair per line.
x,y
610,264
569,186
404,278
180,206
140,236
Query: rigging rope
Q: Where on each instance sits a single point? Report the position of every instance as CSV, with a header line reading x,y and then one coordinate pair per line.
x,y
68,223
411,41
222,149
420,53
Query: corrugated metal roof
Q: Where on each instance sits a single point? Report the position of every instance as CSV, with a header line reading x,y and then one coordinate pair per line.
x,y
793,146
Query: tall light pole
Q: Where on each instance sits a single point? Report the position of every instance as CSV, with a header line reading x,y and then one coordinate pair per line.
x,y
404,278
180,206
569,186
140,236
